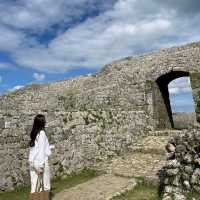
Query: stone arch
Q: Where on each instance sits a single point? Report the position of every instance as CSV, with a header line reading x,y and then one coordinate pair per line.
x,y
157,96
161,100
159,71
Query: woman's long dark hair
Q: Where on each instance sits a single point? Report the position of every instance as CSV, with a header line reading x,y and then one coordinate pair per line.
x,y
38,125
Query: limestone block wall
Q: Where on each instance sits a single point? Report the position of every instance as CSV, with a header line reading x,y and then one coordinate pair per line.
x,y
86,125
195,79
80,138
184,120
93,117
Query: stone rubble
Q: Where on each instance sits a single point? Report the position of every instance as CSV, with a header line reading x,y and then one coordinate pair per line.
x,y
181,174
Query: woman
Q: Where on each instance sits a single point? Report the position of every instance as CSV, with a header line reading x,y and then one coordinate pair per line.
x,y
39,153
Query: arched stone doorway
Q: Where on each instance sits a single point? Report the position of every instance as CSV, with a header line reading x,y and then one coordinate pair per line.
x,y
162,112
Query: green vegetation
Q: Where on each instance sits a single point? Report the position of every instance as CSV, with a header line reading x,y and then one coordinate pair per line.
x,y
146,190
69,98
19,193
192,195
58,184
194,78
143,191
148,86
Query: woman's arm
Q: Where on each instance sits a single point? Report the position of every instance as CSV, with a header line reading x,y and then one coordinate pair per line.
x,y
41,150
47,147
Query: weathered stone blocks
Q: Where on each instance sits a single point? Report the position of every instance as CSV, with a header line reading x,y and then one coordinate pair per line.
x,y
182,171
93,117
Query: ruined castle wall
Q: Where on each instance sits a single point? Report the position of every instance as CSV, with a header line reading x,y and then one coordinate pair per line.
x,y
89,118
86,124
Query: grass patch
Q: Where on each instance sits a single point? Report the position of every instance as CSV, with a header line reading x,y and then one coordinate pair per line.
x,y
58,184
146,190
20,193
143,191
192,195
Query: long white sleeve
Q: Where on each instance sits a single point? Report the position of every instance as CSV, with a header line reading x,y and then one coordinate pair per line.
x,y
40,152
41,155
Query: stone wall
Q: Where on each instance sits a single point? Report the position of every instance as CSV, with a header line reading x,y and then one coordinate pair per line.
x,y
181,174
93,117
184,120
195,79
83,136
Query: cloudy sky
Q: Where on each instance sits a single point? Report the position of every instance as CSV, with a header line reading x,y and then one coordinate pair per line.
x,y
45,40
181,98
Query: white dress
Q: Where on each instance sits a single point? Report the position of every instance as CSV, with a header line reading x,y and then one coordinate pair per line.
x,y
38,157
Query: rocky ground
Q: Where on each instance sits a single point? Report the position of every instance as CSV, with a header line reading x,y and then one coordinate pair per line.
x,y
181,174
122,172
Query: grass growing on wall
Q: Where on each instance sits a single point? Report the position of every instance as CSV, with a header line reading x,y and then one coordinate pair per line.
x,y
193,195
58,184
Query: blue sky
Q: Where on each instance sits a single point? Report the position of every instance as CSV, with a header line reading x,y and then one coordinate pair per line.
x,y
181,98
46,40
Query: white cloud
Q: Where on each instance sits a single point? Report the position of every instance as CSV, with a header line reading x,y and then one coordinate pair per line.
x,y
38,77
10,39
181,98
95,42
122,28
5,65
180,85
17,87
41,14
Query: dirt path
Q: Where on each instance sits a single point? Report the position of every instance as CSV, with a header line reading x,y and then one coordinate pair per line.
x,y
121,172
103,187
146,162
